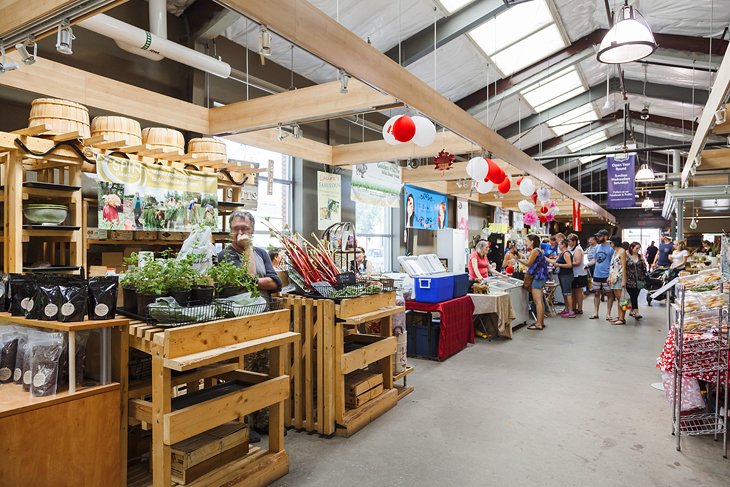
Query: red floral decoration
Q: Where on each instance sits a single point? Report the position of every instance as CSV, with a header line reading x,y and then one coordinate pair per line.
x,y
444,160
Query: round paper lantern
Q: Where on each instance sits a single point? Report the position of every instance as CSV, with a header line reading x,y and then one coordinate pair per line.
x,y
425,131
484,187
527,187
509,269
477,168
519,180
388,130
529,218
495,173
404,129
534,197
543,219
525,206
504,186
543,194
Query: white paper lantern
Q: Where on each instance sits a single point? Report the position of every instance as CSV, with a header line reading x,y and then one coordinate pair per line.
x,y
479,169
484,187
527,187
387,130
525,206
425,131
554,210
543,195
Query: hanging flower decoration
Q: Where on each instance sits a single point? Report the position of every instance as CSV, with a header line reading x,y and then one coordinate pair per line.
x,y
529,218
543,219
543,194
549,217
534,197
443,161
525,206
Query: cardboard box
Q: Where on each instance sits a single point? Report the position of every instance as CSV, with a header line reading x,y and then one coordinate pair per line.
x,y
145,235
112,259
97,270
96,234
173,236
121,234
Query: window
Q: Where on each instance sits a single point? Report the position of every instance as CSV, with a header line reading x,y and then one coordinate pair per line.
x,y
275,207
452,6
554,90
588,141
573,120
373,224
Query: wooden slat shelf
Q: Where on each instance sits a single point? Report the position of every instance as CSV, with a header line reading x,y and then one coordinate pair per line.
x,y
57,325
374,315
133,242
398,377
15,400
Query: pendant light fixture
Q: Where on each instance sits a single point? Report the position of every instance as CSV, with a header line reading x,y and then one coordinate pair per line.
x,y
630,38
645,173
647,204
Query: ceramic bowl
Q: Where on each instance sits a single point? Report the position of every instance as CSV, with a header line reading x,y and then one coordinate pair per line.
x,y
45,214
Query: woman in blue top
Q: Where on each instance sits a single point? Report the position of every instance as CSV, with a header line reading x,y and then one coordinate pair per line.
x,y
537,267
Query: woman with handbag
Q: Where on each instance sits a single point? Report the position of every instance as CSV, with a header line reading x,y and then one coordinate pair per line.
x,y
535,278
635,277
617,279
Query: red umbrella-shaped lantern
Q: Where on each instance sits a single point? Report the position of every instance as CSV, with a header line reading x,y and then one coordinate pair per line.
x,y
495,173
534,197
544,210
543,219
504,186
404,129
519,180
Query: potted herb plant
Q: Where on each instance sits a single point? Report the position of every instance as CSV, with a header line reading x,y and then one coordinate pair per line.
x,y
150,285
178,278
203,290
230,280
129,282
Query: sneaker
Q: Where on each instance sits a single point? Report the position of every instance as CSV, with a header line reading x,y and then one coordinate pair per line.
x,y
564,312
569,315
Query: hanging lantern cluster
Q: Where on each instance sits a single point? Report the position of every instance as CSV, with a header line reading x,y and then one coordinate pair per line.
x,y
488,174
402,128
531,213
443,161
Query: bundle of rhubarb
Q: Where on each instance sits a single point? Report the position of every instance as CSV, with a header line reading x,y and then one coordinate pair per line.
x,y
313,262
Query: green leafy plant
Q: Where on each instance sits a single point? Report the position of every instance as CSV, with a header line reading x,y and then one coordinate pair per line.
x,y
227,274
178,275
131,273
151,278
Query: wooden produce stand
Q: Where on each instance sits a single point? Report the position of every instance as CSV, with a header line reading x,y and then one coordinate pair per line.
x,y
329,350
210,352
77,436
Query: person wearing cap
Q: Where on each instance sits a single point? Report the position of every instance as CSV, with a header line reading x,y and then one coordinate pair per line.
x,y
666,247
602,262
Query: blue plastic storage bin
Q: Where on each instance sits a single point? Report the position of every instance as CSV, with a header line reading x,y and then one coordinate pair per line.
x,y
461,284
434,288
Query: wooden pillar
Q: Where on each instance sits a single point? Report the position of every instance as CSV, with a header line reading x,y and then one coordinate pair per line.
x,y
76,210
120,369
161,405
276,410
14,213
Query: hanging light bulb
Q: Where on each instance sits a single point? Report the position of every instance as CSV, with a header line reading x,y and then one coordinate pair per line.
x,y
647,204
693,224
645,173
630,38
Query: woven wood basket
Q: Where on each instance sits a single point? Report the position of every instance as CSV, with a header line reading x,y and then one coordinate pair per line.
x,y
117,128
207,148
60,116
163,138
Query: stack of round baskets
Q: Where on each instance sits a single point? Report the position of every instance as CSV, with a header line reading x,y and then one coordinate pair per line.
x,y
117,129
208,148
169,140
60,116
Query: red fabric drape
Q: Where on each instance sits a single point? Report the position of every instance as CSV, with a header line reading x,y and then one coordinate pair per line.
x,y
457,328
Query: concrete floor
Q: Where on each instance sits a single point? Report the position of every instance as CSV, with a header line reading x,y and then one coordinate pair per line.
x,y
570,405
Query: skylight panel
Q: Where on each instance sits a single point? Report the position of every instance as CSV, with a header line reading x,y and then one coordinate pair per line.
x,y
587,159
511,26
530,50
452,6
588,141
554,90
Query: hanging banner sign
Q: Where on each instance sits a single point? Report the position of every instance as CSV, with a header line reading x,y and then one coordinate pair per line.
x,y
376,184
621,188
462,217
577,225
329,199
137,195
425,209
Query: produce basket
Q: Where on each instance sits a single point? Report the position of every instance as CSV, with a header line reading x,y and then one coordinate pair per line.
x,y
230,309
347,286
370,286
172,316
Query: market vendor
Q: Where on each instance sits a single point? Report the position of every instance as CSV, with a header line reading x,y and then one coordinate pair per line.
x,y
361,265
241,249
479,267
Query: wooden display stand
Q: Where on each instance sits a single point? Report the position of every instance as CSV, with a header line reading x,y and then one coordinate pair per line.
x,y
319,363
44,436
209,352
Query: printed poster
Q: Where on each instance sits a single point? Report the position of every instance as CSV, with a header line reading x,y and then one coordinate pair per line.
x,y
137,195
329,199
376,184
425,209
621,188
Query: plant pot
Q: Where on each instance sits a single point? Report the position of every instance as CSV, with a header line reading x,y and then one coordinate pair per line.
x,y
228,291
202,294
182,297
129,297
142,301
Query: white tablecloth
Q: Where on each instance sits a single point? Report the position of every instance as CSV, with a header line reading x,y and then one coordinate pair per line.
x,y
498,307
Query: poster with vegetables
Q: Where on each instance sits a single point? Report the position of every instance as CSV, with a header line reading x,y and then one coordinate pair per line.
x,y
329,199
137,195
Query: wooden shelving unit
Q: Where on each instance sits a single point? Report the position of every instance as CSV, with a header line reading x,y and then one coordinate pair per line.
x,y
319,362
80,418
210,352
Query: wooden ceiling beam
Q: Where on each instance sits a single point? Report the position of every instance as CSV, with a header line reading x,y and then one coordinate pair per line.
x,y
311,29
313,103
268,139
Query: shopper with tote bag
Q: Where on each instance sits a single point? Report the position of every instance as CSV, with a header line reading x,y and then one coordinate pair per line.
x,y
535,277
635,277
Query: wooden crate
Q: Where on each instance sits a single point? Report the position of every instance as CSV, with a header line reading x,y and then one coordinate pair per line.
x,y
203,453
145,235
173,236
361,381
355,401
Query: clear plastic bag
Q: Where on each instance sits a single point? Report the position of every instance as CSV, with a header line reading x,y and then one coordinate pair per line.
x,y
46,349
625,301
199,242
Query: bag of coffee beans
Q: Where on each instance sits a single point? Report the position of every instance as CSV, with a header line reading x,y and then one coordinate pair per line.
x,y
22,292
73,300
4,294
46,351
103,297
46,302
8,352
20,355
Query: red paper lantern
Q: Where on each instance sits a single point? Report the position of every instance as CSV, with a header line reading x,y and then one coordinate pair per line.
x,y
544,210
404,129
519,180
543,219
495,173
534,197
509,269
504,186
